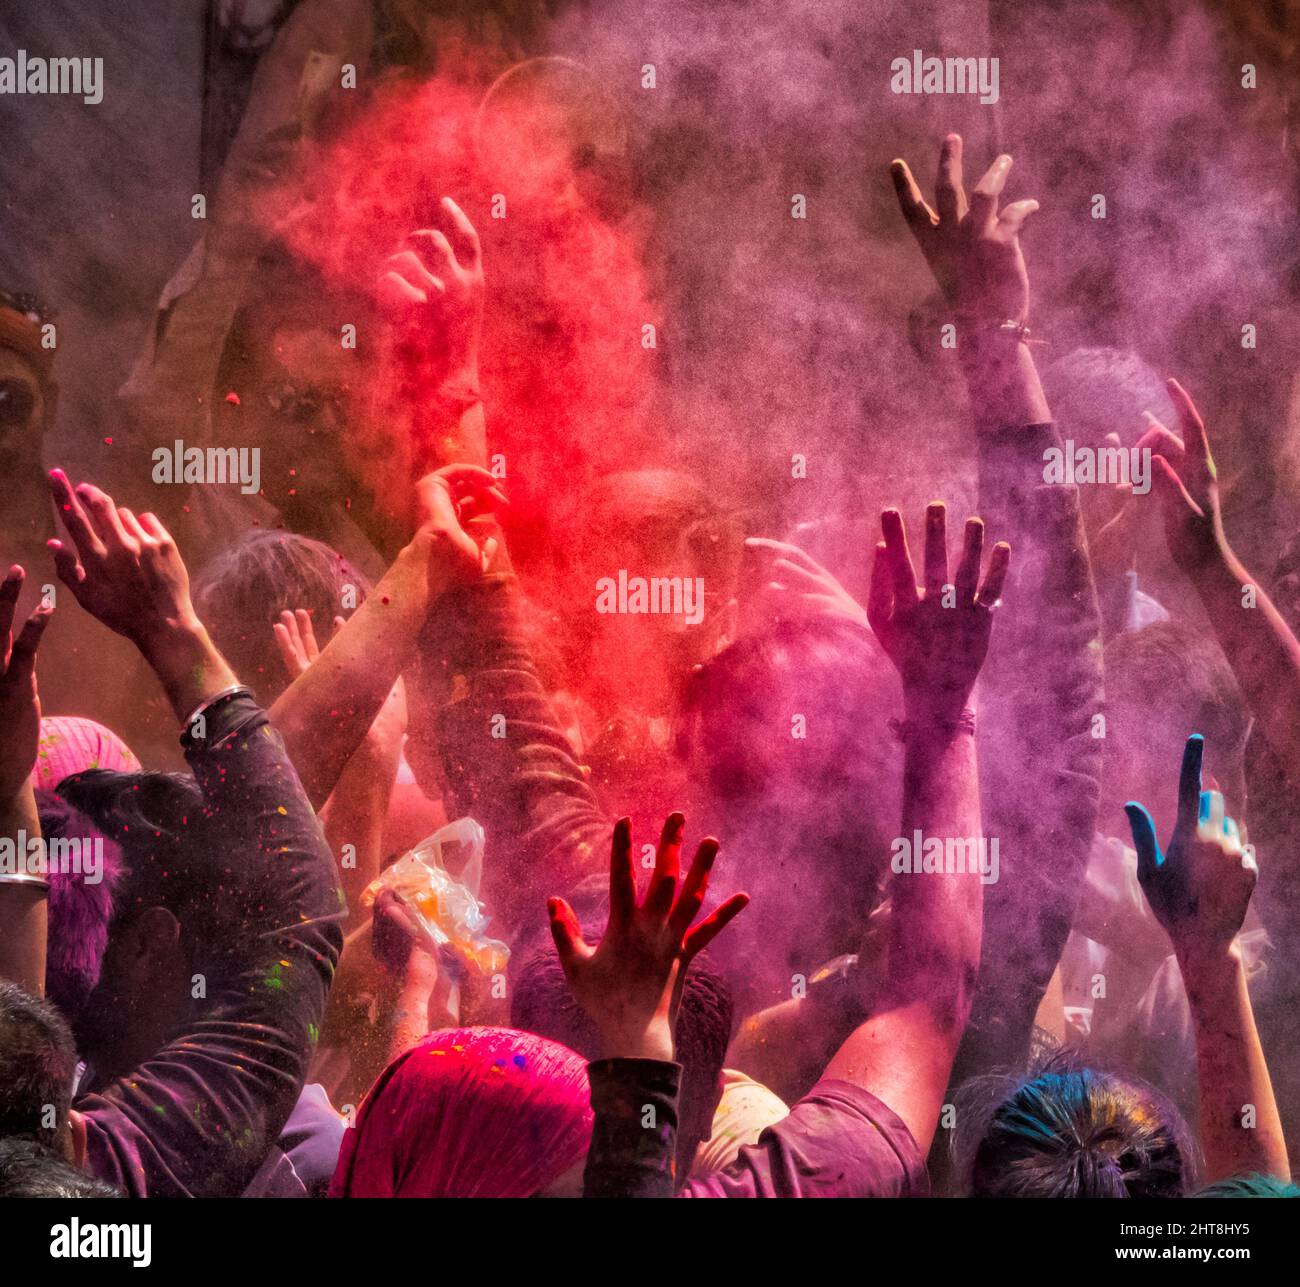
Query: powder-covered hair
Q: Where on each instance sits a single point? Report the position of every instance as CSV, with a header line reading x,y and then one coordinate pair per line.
x,y
1067,1131
240,593
79,911
469,1113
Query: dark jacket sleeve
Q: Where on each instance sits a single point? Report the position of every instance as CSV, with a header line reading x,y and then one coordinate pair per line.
x,y
1040,763
198,1118
508,764
634,1137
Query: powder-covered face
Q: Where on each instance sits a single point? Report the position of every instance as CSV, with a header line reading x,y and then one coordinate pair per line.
x,y
22,408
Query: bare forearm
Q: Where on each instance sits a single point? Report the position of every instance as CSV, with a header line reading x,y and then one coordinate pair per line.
x,y
935,929
353,820
325,713
1241,1131
187,664
1262,651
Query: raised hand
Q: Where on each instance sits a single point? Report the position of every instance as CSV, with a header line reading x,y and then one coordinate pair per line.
x,y
20,703
972,248
125,570
436,283
630,984
1200,886
295,636
936,634
1187,480
791,583
448,500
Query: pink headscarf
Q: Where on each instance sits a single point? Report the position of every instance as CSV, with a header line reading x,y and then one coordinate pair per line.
x,y
469,1113
70,744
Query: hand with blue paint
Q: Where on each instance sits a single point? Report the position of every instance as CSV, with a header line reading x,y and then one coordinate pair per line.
x,y
1200,886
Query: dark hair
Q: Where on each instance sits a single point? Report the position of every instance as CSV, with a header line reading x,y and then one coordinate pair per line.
x,y
79,912
1188,670
798,813
240,593
30,1170
173,855
1254,1185
37,1064
541,1001
1097,391
1063,1131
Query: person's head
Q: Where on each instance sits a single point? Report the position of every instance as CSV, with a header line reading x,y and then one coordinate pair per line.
x,y
471,1113
297,389
38,1062
240,593
173,915
1254,1185
1097,396
30,1170
80,904
1069,1132
27,392
551,130
786,736
652,525
71,744
541,1001
1163,683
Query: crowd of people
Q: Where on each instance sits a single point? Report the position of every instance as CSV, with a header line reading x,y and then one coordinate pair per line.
x,y
400,930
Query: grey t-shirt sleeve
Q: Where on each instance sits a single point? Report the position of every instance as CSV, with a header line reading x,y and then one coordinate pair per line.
x,y
839,1141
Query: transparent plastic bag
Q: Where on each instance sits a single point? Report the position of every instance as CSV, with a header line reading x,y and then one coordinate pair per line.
x,y
441,910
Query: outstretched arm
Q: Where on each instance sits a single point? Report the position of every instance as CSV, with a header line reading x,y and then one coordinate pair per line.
x,y
630,985
937,635
1262,651
326,712
1199,889
1042,686
198,1118
23,892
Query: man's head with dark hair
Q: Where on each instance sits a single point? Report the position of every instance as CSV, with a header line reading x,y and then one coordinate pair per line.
x,y
171,917
1069,1132
786,734
542,1002
1163,683
30,1170
38,1061
240,594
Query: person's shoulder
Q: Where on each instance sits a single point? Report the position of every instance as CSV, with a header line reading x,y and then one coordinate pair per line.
x,y
838,1141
